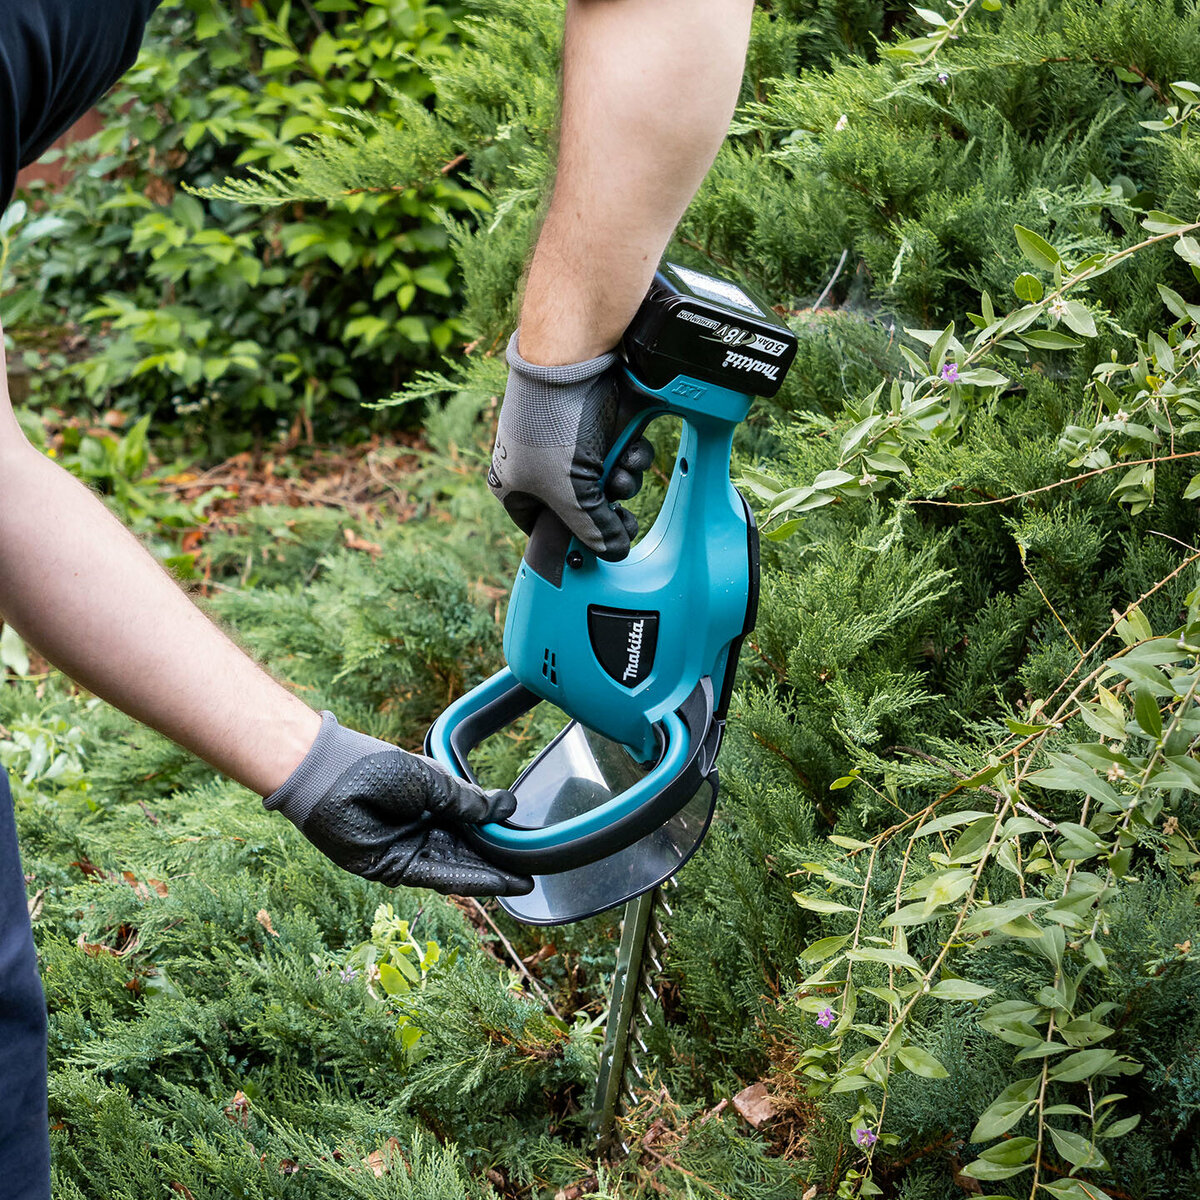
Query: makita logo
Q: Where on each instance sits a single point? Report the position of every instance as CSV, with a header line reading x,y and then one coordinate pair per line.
x,y
633,650
743,362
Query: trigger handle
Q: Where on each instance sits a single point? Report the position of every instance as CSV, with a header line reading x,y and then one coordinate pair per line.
x,y
635,411
546,550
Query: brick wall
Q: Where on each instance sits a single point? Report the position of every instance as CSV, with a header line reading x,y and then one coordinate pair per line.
x,y
52,172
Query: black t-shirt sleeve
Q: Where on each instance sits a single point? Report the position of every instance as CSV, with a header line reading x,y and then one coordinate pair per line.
x,y
57,58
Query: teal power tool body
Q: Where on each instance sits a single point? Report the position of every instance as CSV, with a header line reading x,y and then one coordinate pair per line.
x,y
640,654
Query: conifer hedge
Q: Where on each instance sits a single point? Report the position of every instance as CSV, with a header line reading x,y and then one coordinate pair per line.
x,y
948,907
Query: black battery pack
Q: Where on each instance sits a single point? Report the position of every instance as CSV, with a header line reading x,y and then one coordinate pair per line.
x,y
709,329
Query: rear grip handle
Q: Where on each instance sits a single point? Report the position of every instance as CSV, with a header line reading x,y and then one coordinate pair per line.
x,y
546,550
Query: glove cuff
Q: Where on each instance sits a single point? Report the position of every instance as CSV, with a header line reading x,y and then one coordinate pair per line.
x,y
562,375
334,752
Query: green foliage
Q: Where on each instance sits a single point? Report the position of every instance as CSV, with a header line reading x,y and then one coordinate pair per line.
x,y
212,313
939,620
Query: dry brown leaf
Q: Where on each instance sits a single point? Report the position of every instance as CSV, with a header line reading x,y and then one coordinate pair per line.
x,y
355,542
140,889
755,1105
380,1161
35,904
583,1188
160,887
183,1191
264,919
94,948
238,1109
542,953
810,1194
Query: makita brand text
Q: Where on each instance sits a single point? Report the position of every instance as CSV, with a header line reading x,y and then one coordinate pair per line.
x,y
634,650
743,362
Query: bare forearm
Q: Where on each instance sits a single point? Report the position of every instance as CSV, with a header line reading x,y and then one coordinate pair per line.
x,y
649,87
80,588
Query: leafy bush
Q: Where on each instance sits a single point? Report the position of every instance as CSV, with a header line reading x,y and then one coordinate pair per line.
x,y
235,321
950,891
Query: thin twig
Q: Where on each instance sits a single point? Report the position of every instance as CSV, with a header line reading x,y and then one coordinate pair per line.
x,y
832,280
1136,462
512,953
1046,599
1028,810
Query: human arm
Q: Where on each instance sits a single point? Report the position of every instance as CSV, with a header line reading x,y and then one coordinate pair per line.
x,y
80,588
649,87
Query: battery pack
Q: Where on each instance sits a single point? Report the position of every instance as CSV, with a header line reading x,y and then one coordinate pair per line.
x,y
709,329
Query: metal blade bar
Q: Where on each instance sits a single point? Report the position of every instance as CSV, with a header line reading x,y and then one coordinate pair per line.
x,y
639,955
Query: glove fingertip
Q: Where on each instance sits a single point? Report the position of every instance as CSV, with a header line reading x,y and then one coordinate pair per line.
x,y
502,805
637,456
515,885
618,538
623,484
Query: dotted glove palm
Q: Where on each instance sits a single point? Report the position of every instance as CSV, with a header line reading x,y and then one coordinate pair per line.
x,y
557,425
391,816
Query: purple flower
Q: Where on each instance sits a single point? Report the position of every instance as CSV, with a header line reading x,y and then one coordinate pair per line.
x,y
943,78
950,372
825,1017
347,974
865,1137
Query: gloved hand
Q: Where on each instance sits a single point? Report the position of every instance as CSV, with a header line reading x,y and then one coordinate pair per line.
x,y
557,424
388,815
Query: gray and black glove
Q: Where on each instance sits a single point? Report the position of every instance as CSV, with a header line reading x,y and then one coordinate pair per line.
x,y
391,816
557,425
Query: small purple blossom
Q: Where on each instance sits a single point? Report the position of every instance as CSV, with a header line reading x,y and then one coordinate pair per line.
x,y
943,78
865,1137
825,1017
950,372
347,974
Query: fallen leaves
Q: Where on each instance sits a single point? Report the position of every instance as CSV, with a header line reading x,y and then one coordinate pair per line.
x,y
355,542
583,1188
755,1105
264,919
128,941
141,889
382,1161
238,1110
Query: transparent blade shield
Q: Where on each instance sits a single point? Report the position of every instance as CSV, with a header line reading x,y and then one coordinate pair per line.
x,y
576,773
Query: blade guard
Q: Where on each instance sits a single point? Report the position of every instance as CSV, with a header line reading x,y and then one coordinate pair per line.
x,y
689,739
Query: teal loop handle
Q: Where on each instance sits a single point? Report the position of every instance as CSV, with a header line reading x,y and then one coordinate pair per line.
x,y
503,837
588,836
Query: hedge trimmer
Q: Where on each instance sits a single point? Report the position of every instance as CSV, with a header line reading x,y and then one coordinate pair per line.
x,y
640,654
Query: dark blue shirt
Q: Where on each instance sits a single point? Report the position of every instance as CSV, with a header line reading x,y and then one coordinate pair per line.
x,y
57,58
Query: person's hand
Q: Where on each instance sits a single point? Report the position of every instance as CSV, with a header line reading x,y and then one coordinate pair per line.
x,y
557,425
391,816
